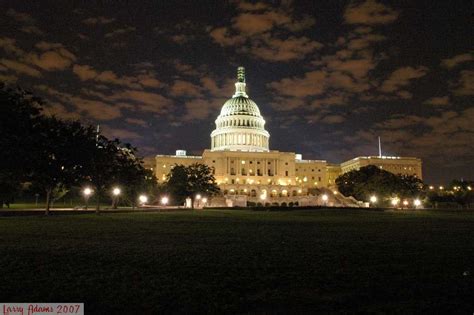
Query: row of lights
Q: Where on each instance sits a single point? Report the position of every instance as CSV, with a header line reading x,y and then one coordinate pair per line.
x,y
395,201
117,191
455,188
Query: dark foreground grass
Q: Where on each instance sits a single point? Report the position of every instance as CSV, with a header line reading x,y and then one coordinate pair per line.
x,y
242,262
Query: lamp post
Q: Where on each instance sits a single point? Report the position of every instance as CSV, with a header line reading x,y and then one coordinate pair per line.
x,y
198,198
417,203
373,199
115,192
143,199
87,193
164,200
325,199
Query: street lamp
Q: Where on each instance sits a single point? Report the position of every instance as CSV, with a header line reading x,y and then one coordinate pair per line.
x,y
373,199
395,201
417,202
87,193
164,200
143,199
325,198
198,198
116,192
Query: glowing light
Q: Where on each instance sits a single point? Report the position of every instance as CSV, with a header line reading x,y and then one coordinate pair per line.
x,y
305,179
395,201
299,191
116,191
431,187
164,200
405,202
143,199
441,187
324,197
87,191
469,188
243,162
198,196
263,196
334,192
204,200
373,199
417,202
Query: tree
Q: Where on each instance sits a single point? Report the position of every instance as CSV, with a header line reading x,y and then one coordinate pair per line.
x,y
132,174
187,181
369,180
20,114
60,156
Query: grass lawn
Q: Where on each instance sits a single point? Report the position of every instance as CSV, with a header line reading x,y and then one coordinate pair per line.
x,y
223,261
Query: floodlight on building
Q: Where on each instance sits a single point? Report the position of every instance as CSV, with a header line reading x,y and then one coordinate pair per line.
x,y
417,202
263,196
143,199
373,199
164,200
334,192
324,197
204,200
116,191
299,191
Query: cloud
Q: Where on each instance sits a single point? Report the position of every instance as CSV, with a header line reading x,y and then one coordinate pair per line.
x,y
84,106
465,85
120,133
267,33
120,31
308,85
56,58
369,12
9,46
98,20
144,101
457,60
143,79
198,109
438,101
20,67
402,77
28,23
136,121
184,88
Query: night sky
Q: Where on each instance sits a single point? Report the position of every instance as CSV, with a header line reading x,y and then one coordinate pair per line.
x,y
328,76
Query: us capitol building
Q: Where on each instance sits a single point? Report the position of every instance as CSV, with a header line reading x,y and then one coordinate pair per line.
x,y
248,172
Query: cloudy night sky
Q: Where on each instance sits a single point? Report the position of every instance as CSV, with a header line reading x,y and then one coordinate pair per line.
x,y
328,76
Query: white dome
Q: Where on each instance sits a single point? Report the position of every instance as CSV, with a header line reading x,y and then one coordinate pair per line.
x,y
240,125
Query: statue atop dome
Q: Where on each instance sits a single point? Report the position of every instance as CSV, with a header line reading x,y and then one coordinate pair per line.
x,y
240,84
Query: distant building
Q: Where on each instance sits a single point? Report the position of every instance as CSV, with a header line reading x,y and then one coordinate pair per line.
x,y
393,164
248,171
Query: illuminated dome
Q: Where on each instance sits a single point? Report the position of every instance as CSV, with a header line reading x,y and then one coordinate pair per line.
x,y
240,125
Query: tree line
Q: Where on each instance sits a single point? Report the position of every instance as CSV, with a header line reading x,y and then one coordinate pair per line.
x,y
371,181
53,155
